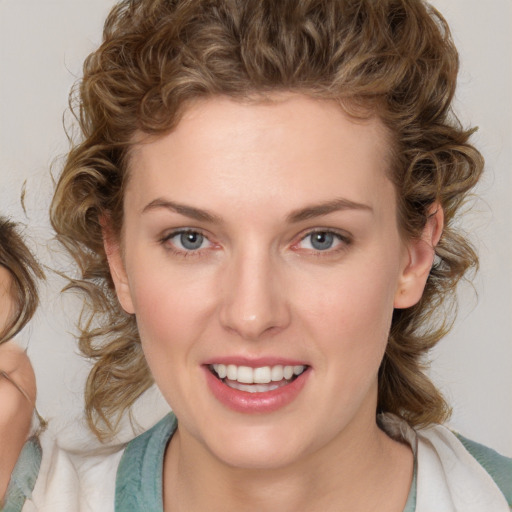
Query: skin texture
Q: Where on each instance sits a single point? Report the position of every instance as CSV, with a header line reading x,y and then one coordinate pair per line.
x,y
6,305
16,410
257,288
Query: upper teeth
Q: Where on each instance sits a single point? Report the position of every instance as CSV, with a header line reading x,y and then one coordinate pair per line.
x,y
260,375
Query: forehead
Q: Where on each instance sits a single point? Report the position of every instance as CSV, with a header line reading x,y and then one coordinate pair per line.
x,y
251,152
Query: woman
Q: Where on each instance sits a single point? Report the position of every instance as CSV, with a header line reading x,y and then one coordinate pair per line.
x,y
263,209
18,302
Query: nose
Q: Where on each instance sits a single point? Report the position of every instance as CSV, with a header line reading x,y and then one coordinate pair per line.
x,y
254,302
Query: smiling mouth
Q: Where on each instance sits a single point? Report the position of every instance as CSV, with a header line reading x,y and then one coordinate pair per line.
x,y
256,380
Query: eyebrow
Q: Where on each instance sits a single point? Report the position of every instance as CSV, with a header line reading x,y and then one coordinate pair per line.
x,y
310,212
188,211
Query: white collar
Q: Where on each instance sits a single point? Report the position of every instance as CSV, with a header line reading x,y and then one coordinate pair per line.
x,y
448,478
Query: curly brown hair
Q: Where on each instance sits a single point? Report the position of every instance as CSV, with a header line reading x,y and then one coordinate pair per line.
x,y
24,270
391,58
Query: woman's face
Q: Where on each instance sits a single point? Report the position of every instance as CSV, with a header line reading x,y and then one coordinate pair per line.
x,y
262,259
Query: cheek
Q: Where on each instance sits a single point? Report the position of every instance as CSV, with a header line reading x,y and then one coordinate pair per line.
x,y
349,298
345,322
350,313
171,310
164,327
7,309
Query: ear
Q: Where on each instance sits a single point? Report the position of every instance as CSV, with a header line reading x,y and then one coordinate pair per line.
x,y
112,246
419,260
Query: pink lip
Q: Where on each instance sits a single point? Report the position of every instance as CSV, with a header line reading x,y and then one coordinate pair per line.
x,y
251,403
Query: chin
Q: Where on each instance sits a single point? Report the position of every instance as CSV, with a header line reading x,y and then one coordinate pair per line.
x,y
254,448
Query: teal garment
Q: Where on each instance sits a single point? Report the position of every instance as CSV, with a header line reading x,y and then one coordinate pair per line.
x,y
498,466
24,476
410,505
139,476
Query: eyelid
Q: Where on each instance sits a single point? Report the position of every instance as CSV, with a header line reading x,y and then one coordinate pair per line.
x,y
178,231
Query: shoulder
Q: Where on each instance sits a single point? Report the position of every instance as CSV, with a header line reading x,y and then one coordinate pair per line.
x,y
467,465
66,469
15,367
497,465
139,476
153,440
77,472
43,478
17,390
24,476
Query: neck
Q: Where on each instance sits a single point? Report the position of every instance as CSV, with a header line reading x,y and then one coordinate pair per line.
x,y
362,469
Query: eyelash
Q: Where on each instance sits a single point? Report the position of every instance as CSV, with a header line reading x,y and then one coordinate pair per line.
x,y
344,240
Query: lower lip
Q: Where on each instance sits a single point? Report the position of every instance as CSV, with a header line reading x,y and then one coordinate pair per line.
x,y
243,401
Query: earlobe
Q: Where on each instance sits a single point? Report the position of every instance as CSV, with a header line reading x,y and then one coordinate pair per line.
x,y
420,257
117,268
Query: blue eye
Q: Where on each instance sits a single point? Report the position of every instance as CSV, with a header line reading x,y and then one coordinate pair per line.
x,y
188,240
191,240
321,241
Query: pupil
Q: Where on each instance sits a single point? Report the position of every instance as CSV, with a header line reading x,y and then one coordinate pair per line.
x,y
191,241
322,240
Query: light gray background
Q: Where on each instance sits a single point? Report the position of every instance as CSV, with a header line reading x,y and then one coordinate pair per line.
x,y
42,45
